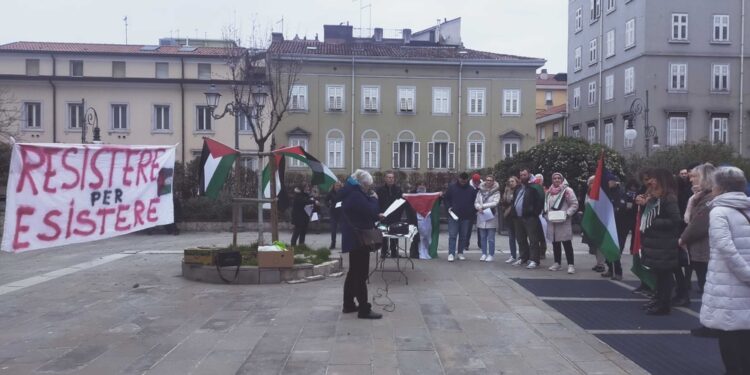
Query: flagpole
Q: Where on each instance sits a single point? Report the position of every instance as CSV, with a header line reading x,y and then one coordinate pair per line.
x,y
274,202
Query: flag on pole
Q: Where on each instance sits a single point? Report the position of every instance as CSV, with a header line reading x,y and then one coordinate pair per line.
x,y
427,205
216,163
599,216
321,174
637,268
283,199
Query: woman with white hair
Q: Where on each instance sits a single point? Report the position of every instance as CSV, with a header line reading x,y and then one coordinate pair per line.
x,y
695,235
360,211
726,295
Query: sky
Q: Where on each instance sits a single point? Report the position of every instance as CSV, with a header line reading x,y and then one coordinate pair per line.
x,y
534,28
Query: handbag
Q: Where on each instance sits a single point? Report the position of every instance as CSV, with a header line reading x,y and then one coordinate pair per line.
x,y
372,238
557,216
229,258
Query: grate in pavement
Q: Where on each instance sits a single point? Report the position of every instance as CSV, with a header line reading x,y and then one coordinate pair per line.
x,y
620,315
576,288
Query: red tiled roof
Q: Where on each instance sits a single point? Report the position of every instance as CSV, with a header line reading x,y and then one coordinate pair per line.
x,y
92,48
552,80
386,49
552,111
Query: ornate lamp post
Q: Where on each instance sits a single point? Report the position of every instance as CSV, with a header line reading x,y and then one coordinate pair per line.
x,y
638,107
90,118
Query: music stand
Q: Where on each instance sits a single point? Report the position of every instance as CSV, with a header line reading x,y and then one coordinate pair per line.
x,y
380,261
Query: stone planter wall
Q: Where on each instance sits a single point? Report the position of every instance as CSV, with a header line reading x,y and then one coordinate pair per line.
x,y
256,275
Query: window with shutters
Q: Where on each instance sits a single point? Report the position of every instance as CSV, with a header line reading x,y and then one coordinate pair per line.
x,y
162,120
119,116
476,101
595,10
406,99
611,5
548,98
335,149
512,102
555,130
475,149
610,43
720,78
679,27
370,99
441,100
630,33
406,151
609,87
370,150
721,28
609,127
629,83
579,20
32,115
577,59
592,92
298,101
677,77
719,129
677,130
335,98
441,151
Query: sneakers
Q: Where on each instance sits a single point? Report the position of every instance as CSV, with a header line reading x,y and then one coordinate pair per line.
x,y
489,258
510,260
482,258
571,269
617,277
532,265
598,268
451,257
461,257
518,262
555,267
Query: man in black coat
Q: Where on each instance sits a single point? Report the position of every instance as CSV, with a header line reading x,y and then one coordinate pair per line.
x,y
334,212
387,194
527,206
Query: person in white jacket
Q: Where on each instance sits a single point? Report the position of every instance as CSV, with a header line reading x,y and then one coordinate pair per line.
x,y
726,295
488,198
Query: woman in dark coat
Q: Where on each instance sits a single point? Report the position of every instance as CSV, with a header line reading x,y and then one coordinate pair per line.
x,y
661,226
300,218
360,211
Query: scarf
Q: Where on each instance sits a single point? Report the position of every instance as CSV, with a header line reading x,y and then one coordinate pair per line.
x,y
650,212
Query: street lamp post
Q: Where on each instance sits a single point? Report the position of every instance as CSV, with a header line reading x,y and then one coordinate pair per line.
x,y
638,107
89,118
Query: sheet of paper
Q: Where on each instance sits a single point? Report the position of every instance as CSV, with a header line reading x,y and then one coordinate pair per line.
x,y
486,215
453,215
394,206
314,217
338,205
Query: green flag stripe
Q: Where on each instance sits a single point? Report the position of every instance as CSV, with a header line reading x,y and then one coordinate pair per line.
x,y
220,176
435,218
599,235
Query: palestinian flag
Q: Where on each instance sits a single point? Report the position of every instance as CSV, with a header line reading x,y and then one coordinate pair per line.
x,y
283,198
599,216
321,174
216,163
635,248
426,204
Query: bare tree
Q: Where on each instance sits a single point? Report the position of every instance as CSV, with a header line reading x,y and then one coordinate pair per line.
x,y
9,115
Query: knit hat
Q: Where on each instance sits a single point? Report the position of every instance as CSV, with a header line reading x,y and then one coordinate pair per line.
x,y
476,178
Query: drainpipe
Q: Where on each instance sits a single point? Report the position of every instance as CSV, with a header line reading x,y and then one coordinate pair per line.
x,y
54,99
600,90
182,107
460,101
351,146
742,78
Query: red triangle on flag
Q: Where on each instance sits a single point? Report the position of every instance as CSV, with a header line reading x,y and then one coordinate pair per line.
x,y
422,203
595,187
218,149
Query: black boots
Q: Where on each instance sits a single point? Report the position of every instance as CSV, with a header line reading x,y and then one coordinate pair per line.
x,y
365,312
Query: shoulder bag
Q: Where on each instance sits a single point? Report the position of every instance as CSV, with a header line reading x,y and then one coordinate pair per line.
x,y
555,214
371,238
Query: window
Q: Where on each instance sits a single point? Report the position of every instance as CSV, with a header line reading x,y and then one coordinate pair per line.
x,y
475,103
577,131
577,59
510,147
475,148
299,98
335,149
627,143
592,92
32,113
76,68
678,77
119,116
609,87
555,130
244,123
720,77
161,117
721,28
511,102
118,69
249,163
204,71
406,99
576,97
591,133
405,151
593,55
32,67
611,5
548,98
629,80
542,134
293,142
610,43
630,33
162,70
370,149
596,9
677,129
579,20
204,120
679,26
75,115
441,152
371,98
719,127
609,133
441,103
335,98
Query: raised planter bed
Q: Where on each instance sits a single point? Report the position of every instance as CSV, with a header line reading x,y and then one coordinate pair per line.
x,y
257,275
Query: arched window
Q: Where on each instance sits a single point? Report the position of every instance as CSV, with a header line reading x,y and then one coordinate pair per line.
x,y
441,152
335,149
475,150
406,151
370,149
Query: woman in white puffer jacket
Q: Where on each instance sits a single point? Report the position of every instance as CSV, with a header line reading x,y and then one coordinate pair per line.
x,y
726,296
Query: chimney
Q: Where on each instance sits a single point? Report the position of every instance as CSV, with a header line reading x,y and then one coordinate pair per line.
x,y
277,37
337,33
378,34
407,36
544,74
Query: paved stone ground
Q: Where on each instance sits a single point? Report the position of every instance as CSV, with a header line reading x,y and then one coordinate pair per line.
x,y
77,310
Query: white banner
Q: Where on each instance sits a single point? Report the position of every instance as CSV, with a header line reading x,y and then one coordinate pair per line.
x,y
60,194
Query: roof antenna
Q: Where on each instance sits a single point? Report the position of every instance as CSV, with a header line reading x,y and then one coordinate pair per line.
x,y
126,29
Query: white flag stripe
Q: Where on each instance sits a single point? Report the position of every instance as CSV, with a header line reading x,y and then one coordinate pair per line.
x,y
209,170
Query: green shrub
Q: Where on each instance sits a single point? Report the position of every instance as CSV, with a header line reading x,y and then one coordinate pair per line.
x,y
675,158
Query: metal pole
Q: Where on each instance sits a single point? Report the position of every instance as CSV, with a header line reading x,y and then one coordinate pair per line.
x,y
82,119
260,196
274,202
646,127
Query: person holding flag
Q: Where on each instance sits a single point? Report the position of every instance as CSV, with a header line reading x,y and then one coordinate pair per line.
x,y
598,222
660,230
424,212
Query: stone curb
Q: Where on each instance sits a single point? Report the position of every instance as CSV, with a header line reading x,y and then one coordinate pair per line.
x,y
257,275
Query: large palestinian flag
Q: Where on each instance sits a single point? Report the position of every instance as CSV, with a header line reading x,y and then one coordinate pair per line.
x,y
599,216
427,205
216,163
321,174
283,198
